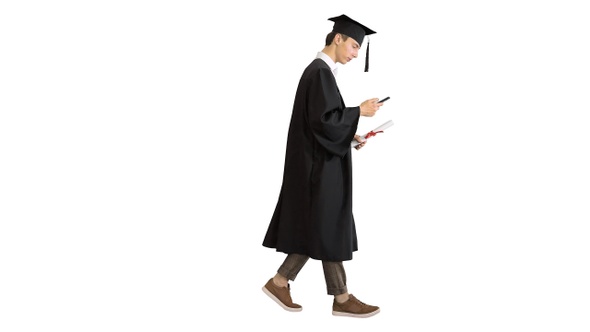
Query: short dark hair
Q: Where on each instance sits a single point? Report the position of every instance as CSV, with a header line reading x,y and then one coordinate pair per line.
x,y
331,35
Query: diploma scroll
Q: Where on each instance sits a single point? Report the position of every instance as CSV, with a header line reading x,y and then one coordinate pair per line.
x,y
372,133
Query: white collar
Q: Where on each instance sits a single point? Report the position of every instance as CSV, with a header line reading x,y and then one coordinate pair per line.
x,y
329,62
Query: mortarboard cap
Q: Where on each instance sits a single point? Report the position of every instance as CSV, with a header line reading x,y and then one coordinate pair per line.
x,y
347,26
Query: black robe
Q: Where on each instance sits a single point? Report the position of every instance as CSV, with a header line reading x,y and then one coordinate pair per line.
x,y
313,215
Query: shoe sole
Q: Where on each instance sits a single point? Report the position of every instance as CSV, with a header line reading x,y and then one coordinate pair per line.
x,y
349,314
276,299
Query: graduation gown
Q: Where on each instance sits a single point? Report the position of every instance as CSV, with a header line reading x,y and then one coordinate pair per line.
x,y
313,215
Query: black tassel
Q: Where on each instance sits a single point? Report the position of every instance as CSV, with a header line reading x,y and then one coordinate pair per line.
x,y
367,57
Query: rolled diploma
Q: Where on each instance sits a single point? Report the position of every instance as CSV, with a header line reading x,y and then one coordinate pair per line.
x,y
373,132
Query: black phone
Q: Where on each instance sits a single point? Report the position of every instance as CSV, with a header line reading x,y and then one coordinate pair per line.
x,y
383,100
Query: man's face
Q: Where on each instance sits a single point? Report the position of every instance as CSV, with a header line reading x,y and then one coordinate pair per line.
x,y
346,50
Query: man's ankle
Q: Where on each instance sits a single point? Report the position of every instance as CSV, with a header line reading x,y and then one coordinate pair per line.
x,y
341,298
280,281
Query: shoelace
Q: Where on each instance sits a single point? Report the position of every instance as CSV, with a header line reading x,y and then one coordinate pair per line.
x,y
359,301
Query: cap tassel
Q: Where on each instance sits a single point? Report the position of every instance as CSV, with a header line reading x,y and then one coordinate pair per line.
x,y
367,56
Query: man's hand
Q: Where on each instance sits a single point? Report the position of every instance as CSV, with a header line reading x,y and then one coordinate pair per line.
x,y
370,106
360,140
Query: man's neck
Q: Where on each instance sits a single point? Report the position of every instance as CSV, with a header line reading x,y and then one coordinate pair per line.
x,y
330,51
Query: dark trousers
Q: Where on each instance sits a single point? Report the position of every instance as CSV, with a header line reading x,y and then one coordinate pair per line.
x,y
333,272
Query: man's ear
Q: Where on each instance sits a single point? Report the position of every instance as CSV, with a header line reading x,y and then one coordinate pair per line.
x,y
337,39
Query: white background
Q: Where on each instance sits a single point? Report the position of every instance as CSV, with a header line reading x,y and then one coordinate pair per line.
x,y
142,147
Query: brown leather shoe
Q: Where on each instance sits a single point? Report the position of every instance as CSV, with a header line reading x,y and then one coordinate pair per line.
x,y
281,295
354,308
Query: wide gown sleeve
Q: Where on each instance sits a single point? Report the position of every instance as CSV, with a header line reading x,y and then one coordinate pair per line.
x,y
332,124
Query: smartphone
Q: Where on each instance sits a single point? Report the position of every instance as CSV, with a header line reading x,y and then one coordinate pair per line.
x,y
383,100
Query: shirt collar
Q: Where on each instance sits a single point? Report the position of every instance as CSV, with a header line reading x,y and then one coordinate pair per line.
x,y
328,60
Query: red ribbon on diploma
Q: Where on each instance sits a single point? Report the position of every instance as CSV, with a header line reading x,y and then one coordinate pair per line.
x,y
372,133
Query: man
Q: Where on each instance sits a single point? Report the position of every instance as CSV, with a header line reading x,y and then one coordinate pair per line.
x,y
313,216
